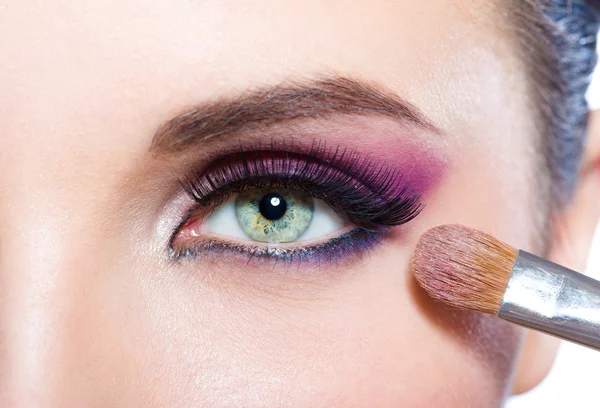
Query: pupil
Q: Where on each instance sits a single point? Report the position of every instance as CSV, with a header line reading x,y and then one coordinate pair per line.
x,y
272,206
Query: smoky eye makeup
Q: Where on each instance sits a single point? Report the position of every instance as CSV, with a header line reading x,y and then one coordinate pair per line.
x,y
291,202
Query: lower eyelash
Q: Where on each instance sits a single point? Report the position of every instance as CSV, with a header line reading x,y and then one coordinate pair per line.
x,y
350,244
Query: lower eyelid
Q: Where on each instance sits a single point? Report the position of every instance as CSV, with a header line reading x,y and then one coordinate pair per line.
x,y
346,247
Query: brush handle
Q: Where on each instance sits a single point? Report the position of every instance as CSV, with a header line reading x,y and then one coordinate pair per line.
x,y
550,298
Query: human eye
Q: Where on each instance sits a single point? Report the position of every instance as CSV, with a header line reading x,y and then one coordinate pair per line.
x,y
289,203
272,215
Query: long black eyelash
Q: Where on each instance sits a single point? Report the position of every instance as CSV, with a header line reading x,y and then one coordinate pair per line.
x,y
365,192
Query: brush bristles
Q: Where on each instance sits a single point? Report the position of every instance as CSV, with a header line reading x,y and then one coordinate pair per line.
x,y
464,267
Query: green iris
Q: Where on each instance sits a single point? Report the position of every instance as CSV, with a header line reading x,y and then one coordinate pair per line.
x,y
274,216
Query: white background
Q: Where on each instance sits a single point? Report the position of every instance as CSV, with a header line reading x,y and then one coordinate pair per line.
x,y
574,381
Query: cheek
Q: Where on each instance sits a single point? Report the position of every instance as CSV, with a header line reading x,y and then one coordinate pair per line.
x,y
367,338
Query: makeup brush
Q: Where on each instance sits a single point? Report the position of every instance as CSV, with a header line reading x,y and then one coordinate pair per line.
x,y
469,269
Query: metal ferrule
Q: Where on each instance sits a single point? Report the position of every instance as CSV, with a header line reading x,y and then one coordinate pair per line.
x,y
547,297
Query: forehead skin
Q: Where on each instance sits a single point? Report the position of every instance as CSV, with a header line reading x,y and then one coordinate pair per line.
x,y
89,316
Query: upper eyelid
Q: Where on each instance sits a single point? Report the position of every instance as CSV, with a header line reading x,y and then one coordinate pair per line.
x,y
281,159
363,194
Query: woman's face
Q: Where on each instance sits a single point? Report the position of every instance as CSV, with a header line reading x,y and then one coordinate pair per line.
x,y
132,272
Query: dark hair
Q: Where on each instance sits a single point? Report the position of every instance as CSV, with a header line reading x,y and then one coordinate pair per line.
x,y
558,43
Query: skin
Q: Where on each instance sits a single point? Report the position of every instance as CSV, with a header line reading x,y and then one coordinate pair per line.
x,y
91,312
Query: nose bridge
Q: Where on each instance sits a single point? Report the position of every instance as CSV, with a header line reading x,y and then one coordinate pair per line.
x,y
58,170
42,277
31,329
36,289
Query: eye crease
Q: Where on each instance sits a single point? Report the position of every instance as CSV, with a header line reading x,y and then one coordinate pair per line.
x,y
293,203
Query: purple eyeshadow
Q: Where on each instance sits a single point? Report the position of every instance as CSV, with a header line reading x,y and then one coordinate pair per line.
x,y
365,192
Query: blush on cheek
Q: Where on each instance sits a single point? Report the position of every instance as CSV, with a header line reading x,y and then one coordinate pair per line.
x,y
489,341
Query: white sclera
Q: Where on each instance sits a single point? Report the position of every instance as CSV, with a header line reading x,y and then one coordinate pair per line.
x,y
324,222
223,221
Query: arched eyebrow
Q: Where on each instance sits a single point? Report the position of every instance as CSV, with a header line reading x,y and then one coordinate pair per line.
x,y
321,98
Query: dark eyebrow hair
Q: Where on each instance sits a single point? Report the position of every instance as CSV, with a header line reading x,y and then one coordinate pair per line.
x,y
324,97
